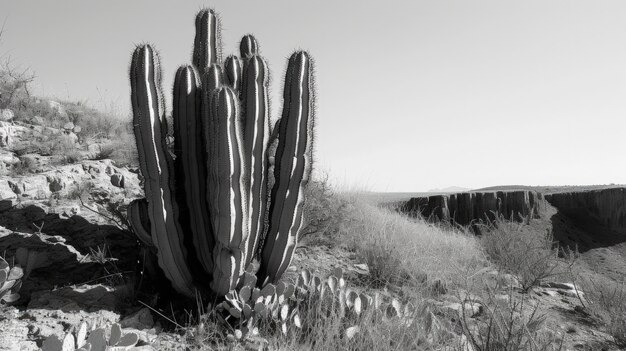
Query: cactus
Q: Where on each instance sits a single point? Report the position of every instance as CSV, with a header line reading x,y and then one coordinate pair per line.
x,y
291,307
208,209
84,338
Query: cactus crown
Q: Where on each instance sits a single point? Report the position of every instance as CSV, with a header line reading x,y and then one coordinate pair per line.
x,y
207,209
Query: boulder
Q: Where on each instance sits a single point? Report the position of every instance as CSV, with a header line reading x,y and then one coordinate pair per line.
x,y
6,115
68,126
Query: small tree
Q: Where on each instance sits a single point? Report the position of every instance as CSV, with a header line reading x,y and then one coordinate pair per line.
x,y
14,81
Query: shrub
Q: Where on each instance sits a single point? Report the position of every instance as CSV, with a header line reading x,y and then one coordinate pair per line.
x,y
324,209
400,250
606,298
507,324
517,248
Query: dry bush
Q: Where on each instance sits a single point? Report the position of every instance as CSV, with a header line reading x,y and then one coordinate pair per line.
x,y
108,124
324,209
606,298
519,249
401,250
507,324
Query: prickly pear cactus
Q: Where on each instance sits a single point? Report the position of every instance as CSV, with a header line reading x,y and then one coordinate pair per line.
x,y
85,338
208,208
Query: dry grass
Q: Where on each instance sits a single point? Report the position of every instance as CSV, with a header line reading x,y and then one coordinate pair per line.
x,y
401,250
606,299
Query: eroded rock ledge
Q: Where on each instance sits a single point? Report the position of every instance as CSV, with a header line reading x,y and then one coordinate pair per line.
x,y
467,208
606,207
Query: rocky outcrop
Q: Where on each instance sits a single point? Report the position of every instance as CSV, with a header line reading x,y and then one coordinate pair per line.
x,y
605,207
69,181
467,208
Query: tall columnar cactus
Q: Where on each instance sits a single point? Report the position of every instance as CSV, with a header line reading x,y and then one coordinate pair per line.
x,y
208,208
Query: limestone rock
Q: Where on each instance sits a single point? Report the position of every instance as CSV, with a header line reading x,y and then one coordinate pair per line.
x,y
6,115
68,126
6,134
38,120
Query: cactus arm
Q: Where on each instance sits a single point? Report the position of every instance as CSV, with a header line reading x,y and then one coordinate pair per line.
x,y
190,162
292,168
206,48
227,204
248,46
156,166
232,68
255,107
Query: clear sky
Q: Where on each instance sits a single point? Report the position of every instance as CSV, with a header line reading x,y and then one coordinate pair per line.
x,y
412,95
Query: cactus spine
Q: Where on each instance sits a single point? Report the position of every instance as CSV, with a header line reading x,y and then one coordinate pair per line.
x,y
207,209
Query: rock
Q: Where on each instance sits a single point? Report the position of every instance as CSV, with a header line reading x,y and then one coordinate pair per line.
x,y
77,129
34,187
68,126
74,298
6,191
472,309
141,320
58,108
94,148
6,133
37,120
564,286
56,184
7,159
467,208
606,207
6,115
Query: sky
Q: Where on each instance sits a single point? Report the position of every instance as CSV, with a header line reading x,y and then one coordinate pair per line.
x,y
411,95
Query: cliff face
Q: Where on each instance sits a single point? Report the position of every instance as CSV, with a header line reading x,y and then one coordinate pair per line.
x,y
606,207
467,208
